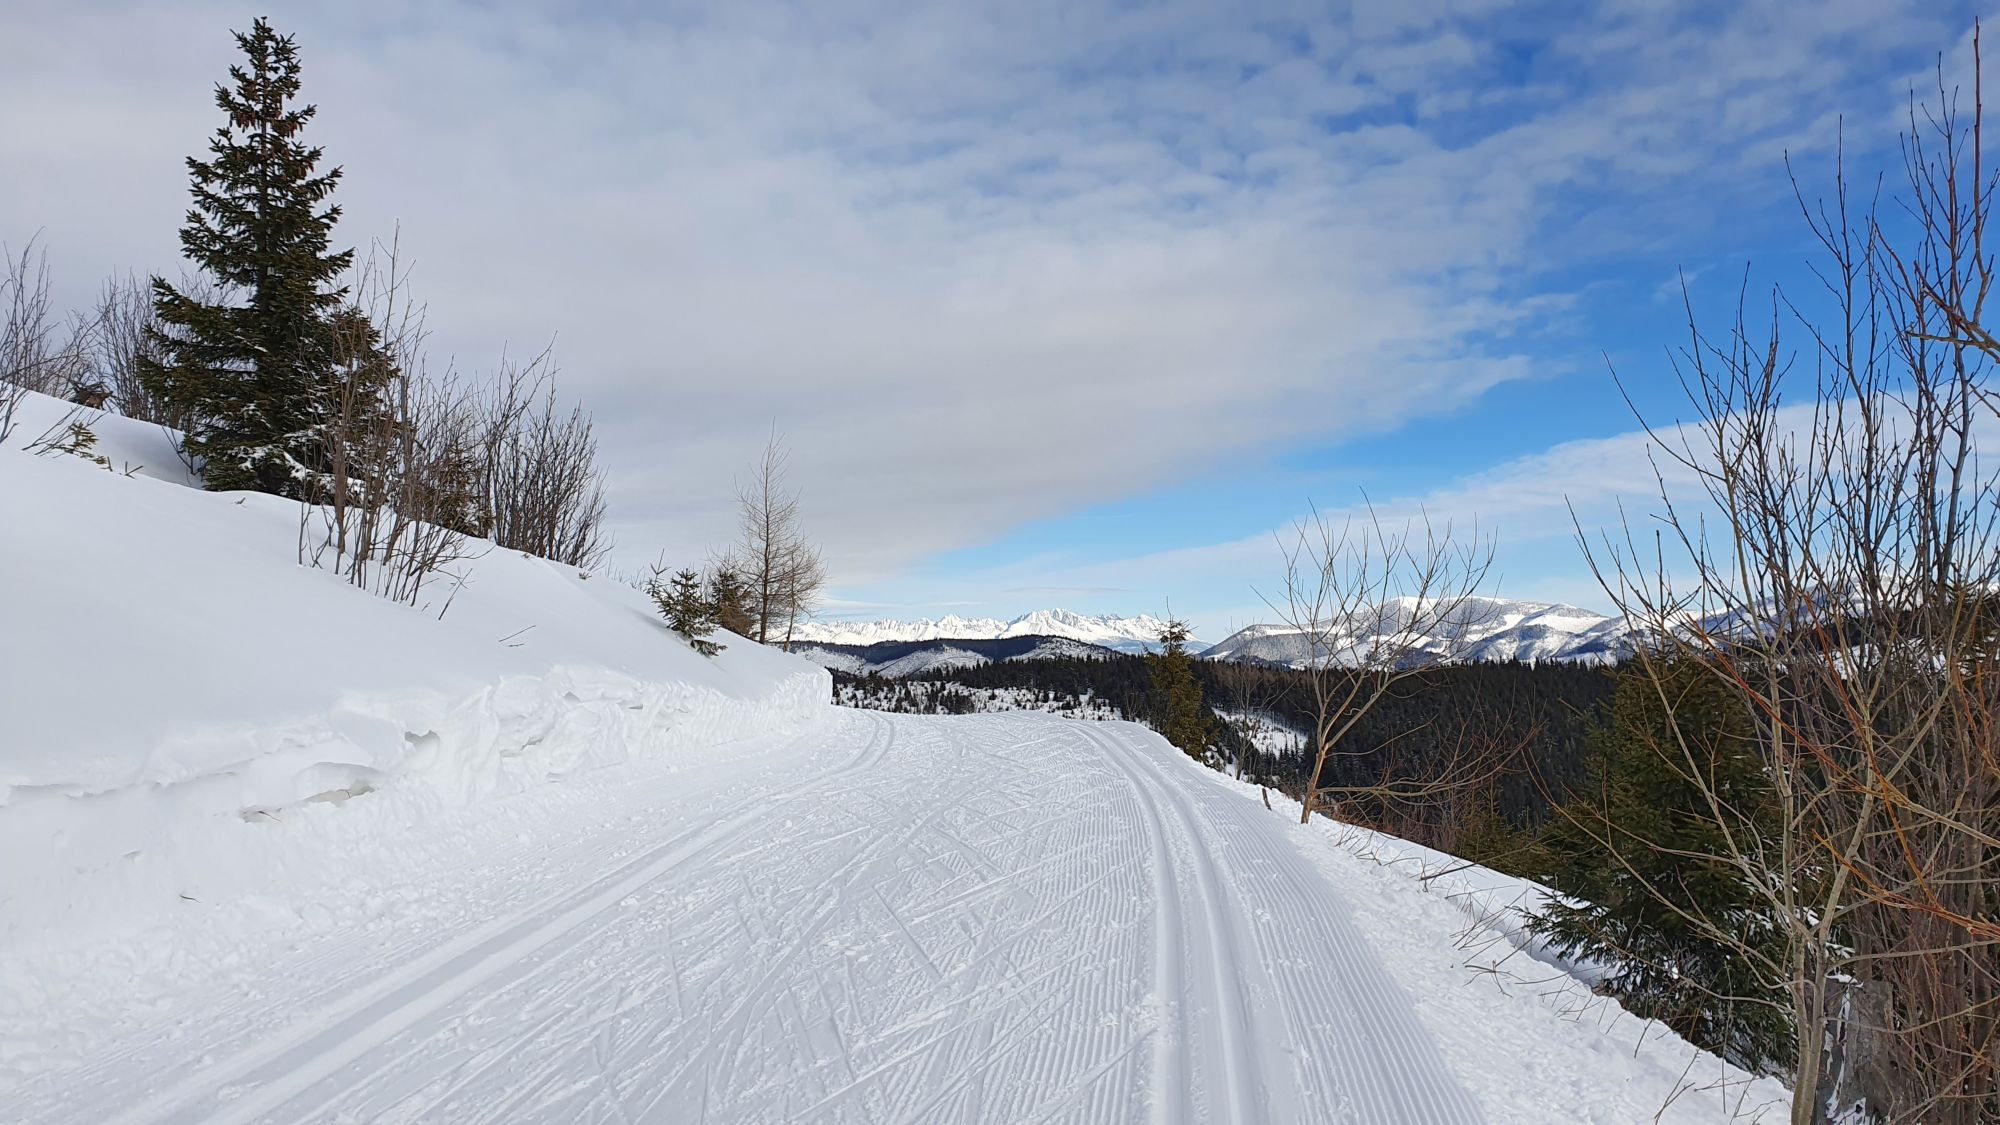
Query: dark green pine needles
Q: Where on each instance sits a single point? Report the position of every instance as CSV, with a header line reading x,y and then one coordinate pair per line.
x,y
256,363
1647,852
687,609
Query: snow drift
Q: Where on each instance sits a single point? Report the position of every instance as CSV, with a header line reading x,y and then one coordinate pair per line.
x,y
177,692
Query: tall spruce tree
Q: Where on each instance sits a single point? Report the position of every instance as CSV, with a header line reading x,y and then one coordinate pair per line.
x,y
258,379
1654,893
1172,668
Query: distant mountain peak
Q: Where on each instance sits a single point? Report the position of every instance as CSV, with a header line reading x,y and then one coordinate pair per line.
x,y
1480,629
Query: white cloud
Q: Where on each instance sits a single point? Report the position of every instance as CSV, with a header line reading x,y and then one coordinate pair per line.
x,y
981,266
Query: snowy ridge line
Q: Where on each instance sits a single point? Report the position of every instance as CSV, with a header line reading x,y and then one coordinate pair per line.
x,y
370,1016
1392,1072
112,857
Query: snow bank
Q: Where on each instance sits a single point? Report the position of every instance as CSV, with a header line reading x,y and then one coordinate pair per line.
x,y
174,686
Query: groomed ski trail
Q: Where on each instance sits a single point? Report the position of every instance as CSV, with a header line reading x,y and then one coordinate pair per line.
x,y
1002,918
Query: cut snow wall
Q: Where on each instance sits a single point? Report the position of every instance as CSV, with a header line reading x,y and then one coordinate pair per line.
x,y
81,861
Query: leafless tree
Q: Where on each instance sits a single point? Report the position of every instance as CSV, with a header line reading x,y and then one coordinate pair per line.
x,y
782,568
1369,604
124,319
11,396
1837,568
541,489
40,350
393,507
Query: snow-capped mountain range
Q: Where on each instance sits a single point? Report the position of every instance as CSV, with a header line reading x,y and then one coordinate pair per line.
x,y
1125,634
1480,629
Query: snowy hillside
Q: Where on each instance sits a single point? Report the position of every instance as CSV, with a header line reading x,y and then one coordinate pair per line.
x,y
1126,634
172,678
1485,629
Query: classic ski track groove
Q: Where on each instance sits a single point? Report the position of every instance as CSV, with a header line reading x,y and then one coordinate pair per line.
x,y
483,952
1365,1087
1220,966
997,918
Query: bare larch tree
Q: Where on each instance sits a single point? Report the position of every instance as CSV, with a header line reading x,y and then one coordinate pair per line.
x,y
782,570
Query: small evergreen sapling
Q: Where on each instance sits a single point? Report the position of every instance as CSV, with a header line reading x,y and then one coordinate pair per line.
x,y
688,611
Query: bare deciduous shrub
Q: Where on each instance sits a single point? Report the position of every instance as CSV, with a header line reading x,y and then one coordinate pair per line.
x,y
1370,605
392,507
124,323
540,489
40,350
1838,571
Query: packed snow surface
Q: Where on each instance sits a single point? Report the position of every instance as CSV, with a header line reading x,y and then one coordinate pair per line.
x,y
1127,634
894,918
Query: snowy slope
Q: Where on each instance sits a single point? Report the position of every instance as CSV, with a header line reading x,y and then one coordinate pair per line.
x,y
1485,629
171,674
1126,634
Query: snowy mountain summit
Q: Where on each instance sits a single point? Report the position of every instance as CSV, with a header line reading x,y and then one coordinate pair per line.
x,y
1481,629
1126,634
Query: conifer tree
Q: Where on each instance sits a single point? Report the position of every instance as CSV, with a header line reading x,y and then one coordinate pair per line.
x,y
688,611
1654,894
257,379
1172,668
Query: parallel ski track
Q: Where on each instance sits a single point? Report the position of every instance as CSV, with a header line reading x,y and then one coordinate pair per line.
x,y
1362,1055
1012,919
282,1066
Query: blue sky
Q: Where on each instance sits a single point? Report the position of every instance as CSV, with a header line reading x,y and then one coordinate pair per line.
x,y
1056,303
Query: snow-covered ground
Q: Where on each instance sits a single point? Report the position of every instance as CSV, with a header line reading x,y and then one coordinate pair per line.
x,y
277,850
989,918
